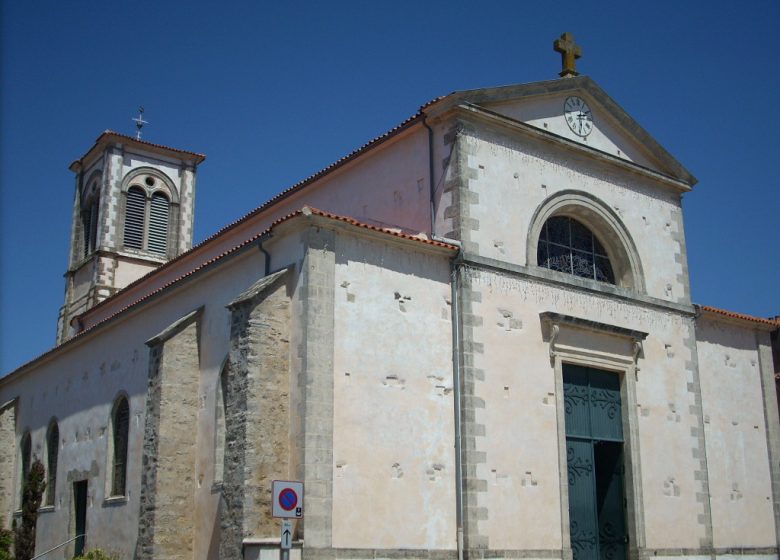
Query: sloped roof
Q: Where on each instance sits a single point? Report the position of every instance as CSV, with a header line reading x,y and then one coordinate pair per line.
x,y
109,136
716,312
306,211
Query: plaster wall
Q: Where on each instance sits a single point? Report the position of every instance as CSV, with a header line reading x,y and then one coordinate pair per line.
x,y
169,167
740,485
82,281
388,187
130,271
521,468
393,434
79,387
546,112
520,174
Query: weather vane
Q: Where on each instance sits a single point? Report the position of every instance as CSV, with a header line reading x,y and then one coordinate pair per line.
x,y
139,122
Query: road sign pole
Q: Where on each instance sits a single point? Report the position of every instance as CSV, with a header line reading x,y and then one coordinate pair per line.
x,y
285,541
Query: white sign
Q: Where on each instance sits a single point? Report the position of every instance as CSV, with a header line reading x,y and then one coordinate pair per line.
x,y
287,499
286,534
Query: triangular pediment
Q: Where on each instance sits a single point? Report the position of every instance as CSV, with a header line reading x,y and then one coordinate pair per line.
x,y
542,105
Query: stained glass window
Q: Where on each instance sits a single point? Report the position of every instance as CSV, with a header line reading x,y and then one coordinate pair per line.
x,y
567,245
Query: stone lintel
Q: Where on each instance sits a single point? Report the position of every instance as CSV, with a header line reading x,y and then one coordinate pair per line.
x,y
551,318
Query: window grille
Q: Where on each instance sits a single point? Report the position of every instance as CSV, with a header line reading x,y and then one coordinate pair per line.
x,y
567,245
52,453
158,224
135,214
121,427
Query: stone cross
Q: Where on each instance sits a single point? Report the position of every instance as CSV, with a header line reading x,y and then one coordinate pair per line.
x,y
139,122
570,52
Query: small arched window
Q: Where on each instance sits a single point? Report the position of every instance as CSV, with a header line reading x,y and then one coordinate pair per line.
x,y
25,450
567,245
52,453
89,222
120,422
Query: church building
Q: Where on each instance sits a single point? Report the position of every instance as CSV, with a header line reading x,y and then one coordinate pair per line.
x,y
473,337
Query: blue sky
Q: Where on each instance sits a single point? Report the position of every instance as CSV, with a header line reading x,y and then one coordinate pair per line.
x,y
273,92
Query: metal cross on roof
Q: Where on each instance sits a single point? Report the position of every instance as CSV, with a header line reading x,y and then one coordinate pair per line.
x,y
570,52
139,122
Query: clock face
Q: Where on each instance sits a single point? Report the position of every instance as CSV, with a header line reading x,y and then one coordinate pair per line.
x,y
578,116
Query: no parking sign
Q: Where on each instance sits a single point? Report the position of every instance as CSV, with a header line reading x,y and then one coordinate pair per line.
x,y
287,499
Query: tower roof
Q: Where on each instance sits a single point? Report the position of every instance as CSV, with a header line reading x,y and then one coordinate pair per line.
x,y
109,136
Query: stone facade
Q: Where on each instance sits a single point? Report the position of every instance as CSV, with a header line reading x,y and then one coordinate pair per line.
x,y
257,415
166,520
8,438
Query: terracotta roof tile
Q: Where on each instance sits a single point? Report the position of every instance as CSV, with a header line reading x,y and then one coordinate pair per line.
x,y
199,157
742,316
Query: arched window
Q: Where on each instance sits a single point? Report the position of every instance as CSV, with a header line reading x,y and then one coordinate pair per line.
x,y
89,223
52,452
120,424
25,450
146,220
150,212
567,245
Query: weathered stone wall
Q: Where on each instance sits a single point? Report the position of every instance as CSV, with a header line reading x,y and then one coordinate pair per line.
x,y
257,394
168,483
7,457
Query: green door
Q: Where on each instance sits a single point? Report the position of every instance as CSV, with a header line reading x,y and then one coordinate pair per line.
x,y
594,453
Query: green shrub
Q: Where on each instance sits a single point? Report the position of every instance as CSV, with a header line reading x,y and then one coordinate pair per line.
x,y
6,540
34,485
98,554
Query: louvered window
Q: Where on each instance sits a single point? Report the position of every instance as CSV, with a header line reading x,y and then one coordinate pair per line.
x,y
135,216
158,224
52,453
121,425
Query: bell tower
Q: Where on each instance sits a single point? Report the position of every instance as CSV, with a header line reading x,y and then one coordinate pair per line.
x,y
133,211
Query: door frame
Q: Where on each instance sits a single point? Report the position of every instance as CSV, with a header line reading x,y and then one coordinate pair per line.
x,y
75,509
625,365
